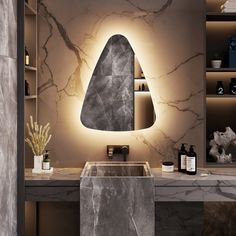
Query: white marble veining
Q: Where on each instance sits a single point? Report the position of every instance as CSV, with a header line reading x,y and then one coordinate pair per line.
x,y
207,185
166,38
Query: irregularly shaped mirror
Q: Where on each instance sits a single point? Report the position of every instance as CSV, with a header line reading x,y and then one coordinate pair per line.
x,y
118,97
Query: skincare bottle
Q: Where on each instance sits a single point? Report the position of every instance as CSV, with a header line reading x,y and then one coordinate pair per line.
x,y
191,162
232,86
27,89
46,161
27,59
182,158
143,87
219,88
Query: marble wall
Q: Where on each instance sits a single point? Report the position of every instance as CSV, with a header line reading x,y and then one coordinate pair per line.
x,y
8,118
167,38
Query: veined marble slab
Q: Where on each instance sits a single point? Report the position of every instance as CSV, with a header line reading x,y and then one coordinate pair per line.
x,y
205,177
116,204
8,146
167,186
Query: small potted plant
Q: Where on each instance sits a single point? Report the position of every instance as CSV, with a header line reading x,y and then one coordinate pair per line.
x,y
38,139
216,61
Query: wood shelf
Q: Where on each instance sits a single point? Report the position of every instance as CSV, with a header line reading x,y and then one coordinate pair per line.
x,y
220,70
30,10
30,97
220,96
218,16
30,68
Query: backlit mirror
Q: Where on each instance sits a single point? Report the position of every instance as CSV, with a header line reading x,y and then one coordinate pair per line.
x,y
118,97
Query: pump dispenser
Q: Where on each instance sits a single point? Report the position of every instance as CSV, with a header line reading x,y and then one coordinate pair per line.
x,y
182,158
191,161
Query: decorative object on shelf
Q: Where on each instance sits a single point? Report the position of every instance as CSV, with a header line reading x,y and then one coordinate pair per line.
x,y
37,141
216,62
220,144
142,75
46,161
232,86
219,88
228,6
232,52
27,59
139,88
143,87
27,88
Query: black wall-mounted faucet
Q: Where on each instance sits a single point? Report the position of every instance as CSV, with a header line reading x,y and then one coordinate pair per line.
x,y
117,149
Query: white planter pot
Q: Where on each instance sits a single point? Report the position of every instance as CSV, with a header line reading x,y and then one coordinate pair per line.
x,y
38,162
216,64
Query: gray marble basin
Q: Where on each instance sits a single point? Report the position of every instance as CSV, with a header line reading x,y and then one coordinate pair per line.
x,y
115,169
116,198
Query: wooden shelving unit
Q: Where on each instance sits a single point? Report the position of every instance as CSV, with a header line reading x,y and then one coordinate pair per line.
x,y
30,39
220,109
221,96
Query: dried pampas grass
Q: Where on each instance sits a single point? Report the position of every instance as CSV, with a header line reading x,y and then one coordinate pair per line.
x,y
38,136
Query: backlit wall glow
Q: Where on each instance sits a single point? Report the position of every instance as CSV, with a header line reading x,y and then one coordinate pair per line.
x,y
168,43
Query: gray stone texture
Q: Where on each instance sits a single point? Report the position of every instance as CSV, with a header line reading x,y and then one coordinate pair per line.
x,y
179,219
116,206
109,101
8,118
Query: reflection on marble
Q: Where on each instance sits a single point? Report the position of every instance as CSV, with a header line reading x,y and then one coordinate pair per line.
x,y
59,177
8,146
220,218
179,219
8,28
205,186
167,40
109,101
116,206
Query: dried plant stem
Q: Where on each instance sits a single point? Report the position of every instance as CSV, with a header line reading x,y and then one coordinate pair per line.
x,y
38,137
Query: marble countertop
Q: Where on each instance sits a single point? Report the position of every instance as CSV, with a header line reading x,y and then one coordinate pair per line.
x,y
205,177
59,177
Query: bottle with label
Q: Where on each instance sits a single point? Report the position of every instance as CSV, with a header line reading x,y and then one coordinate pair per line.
x,y
219,88
27,59
182,158
46,161
191,161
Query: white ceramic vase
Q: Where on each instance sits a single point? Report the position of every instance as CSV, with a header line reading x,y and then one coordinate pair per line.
x,y
38,162
216,64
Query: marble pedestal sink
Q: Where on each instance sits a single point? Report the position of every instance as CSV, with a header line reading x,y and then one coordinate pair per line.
x,y
116,199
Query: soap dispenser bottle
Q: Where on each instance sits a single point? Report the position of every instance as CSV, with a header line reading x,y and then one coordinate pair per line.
x,y
182,158
191,161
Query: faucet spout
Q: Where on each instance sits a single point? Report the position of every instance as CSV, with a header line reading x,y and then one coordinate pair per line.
x,y
118,150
